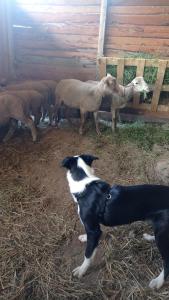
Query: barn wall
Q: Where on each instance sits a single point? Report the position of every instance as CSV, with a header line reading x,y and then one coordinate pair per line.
x,y
56,38
59,38
137,25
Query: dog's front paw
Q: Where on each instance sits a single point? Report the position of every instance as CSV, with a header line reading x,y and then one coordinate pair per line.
x,y
82,238
78,272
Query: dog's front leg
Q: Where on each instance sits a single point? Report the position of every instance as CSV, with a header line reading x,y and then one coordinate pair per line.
x,y
93,237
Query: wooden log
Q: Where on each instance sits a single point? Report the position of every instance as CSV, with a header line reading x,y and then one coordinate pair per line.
x,y
158,84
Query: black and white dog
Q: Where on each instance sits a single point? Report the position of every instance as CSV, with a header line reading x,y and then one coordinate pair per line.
x,y
99,203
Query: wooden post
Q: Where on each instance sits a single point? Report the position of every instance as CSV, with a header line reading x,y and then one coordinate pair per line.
x,y
139,72
6,49
102,26
120,70
158,84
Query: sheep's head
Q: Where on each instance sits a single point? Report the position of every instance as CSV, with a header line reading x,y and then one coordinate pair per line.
x,y
140,85
110,84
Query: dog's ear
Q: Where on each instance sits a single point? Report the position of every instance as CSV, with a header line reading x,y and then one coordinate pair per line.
x,y
88,159
68,161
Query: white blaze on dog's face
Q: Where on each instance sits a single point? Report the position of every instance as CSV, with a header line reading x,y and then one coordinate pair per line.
x,y
80,172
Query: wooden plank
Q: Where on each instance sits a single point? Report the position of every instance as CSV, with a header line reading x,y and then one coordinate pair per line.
x,y
37,18
26,71
55,9
121,30
158,84
165,88
161,19
60,28
60,2
120,70
77,53
102,67
158,52
135,61
51,61
143,10
65,42
137,41
139,2
139,72
103,14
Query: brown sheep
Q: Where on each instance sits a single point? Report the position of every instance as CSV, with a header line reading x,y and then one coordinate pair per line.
x,y
85,96
12,109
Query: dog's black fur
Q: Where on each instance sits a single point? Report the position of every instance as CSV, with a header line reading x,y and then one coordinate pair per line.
x,y
100,203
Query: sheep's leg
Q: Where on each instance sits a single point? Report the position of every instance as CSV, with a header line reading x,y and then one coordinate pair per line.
x,y
12,128
118,115
37,116
83,117
29,122
96,122
114,120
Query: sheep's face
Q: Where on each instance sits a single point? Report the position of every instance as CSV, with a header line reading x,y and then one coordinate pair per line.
x,y
110,84
140,85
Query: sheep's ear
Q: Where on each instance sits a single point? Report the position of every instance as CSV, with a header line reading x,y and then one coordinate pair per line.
x,y
88,159
68,162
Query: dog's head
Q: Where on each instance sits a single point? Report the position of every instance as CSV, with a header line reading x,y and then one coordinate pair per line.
x,y
83,161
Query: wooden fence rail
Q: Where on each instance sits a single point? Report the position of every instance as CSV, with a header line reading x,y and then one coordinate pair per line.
x,y
140,64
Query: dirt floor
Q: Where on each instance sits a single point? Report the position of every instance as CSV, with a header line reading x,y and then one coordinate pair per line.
x,y
39,225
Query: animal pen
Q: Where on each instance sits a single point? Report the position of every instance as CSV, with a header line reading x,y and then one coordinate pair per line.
x,y
81,39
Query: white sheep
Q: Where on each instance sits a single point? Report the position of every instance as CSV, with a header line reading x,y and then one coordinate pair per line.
x,y
123,95
84,96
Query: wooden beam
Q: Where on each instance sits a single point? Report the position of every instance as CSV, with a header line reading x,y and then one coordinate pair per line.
x,y
102,26
101,63
103,14
158,84
120,70
140,72
6,68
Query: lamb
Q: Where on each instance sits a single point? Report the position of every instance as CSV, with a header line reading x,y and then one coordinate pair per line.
x,y
13,109
84,96
37,86
123,95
